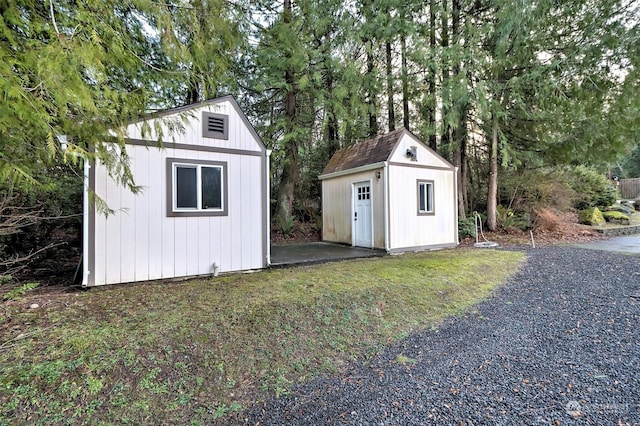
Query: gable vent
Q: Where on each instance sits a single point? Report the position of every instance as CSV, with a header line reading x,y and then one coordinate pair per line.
x,y
215,125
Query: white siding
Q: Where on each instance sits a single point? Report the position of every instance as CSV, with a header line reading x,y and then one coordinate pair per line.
x,y
337,203
426,156
140,242
408,229
157,234
187,127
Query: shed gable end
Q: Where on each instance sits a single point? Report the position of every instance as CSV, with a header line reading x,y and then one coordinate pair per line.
x,y
411,151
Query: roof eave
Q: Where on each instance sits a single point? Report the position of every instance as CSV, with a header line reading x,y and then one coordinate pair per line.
x,y
359,169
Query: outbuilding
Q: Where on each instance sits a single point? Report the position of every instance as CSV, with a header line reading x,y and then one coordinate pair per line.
x,y
391,192
202,207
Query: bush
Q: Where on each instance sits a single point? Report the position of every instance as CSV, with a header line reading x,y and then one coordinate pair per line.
x,y
592,188
591,216
509,220
617,217
560,188
466,227
530,189
287,226
625,207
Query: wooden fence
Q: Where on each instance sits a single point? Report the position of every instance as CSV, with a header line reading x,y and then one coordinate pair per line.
x,y
629,188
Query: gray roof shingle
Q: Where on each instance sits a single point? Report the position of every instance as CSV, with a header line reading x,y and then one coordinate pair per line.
x,y
362,153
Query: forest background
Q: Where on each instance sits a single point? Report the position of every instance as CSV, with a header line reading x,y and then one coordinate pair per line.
x,y
536,102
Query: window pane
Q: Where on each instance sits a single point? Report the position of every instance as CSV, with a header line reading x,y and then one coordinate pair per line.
x,y
429,188
421,193
211,188
186,191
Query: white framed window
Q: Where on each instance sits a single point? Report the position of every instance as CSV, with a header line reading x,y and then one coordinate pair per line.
x,y
196,188
425,197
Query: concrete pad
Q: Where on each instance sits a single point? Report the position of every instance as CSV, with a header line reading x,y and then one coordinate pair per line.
x,y
629,244
308,253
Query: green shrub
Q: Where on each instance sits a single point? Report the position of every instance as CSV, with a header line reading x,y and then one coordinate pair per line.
x,y
592,188
591,216
616,216
287,226
527,190
509,220
466,227
622,208
561,188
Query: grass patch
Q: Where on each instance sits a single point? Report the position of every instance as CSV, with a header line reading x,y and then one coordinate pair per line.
x,y
195,351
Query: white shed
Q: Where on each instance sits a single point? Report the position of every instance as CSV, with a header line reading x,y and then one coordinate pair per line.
x,y
391,192
203,204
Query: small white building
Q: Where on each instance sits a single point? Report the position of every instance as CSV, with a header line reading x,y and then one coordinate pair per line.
x,y
391,192
203,204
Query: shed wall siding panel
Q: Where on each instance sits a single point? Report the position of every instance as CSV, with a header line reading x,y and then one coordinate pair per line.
x,y
100,261
189,129
139,242
407,228
426,157
337,207
155,228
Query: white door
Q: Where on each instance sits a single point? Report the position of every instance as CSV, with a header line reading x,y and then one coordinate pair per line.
x,y
362,227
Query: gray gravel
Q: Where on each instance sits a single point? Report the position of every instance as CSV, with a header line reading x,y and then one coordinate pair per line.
x,y
559,344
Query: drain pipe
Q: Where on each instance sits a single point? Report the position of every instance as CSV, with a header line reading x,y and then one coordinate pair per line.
x,y
385,200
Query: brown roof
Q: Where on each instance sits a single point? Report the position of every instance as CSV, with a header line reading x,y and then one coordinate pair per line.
x,y
362,153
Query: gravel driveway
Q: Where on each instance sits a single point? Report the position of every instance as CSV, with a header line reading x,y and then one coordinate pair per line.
x,y
559,344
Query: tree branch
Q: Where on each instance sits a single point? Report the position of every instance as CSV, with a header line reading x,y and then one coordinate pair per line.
x,y
53,17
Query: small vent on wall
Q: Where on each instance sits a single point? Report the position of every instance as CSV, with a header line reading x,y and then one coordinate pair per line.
x,y
215,125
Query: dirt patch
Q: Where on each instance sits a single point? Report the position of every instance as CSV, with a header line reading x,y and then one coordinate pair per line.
x,y
303,232
550,227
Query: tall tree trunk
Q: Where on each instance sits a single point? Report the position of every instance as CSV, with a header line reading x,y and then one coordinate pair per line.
x,y
460,129
431,108
492,193
370,79
459,154
405,78
332,129
371,93
403,68
390,108
446,84
289,177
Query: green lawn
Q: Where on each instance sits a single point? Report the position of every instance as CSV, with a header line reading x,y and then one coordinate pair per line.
x,y
194,351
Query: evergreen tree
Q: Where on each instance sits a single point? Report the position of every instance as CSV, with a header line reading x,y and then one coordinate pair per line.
x,y
85,69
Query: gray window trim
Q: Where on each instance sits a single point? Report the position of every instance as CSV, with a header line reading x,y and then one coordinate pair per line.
x,y
171,212
433,201
213,134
